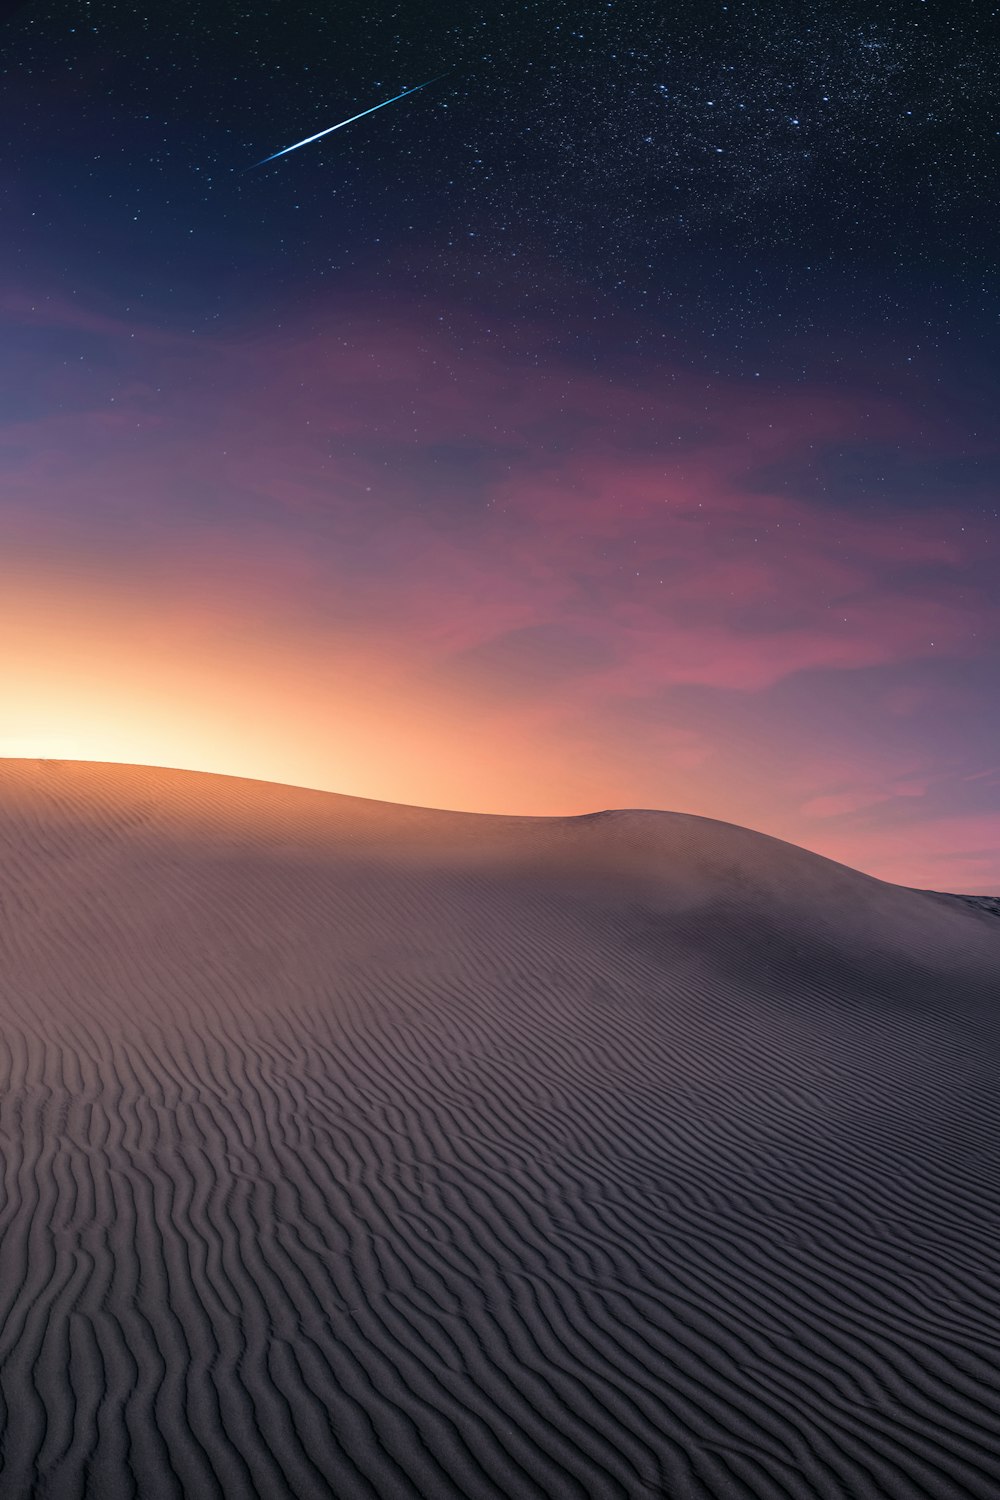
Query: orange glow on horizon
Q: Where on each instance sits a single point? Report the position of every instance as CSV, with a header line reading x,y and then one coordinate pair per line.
x,y
504,594
98,670
144,680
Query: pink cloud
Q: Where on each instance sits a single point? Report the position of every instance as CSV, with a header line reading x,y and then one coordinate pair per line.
x,y
697,580
991,775
284,469
856,799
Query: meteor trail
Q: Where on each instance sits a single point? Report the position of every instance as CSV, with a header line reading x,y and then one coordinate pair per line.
x,y
350,121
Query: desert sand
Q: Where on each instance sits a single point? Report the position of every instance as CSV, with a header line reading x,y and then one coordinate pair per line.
x,y
359,1150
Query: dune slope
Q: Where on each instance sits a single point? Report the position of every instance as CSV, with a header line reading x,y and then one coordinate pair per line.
x,y
370,1151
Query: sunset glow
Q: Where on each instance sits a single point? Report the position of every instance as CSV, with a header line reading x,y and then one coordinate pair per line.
x,y
466,612
585,430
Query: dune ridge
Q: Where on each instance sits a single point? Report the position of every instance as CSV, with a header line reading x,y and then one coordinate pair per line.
x,y
370,1151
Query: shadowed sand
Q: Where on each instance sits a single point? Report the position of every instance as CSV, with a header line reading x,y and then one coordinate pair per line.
x,y
368,1151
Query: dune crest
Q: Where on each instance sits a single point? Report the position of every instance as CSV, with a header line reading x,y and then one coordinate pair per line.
x,y
372,1151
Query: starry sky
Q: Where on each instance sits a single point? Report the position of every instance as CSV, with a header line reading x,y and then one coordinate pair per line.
x,y
613,421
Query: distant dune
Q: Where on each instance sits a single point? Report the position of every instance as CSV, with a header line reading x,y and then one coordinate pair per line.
x,y
357,1150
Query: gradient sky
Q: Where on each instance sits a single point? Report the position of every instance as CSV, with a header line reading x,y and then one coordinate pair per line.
x,y
613,422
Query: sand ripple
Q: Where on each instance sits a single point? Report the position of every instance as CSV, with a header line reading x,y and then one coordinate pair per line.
x,y
361,1151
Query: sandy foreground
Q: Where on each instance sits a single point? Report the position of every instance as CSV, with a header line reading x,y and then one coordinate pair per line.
x,y
359,1150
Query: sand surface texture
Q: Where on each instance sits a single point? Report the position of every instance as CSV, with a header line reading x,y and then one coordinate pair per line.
x,y
358,1150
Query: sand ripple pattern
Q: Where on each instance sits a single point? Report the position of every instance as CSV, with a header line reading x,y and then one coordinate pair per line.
x,y
364,1151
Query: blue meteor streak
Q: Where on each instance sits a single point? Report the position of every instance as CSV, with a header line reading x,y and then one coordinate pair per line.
x,y
340,126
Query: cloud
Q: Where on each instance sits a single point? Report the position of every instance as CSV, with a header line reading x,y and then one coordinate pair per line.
x,y
508,531
857,799
466,496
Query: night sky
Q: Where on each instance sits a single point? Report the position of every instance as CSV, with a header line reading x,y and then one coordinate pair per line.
x,y
612,422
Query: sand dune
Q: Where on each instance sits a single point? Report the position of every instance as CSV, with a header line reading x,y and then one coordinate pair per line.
x,y
367,1151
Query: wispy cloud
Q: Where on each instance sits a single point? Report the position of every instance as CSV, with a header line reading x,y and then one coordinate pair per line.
x,y
531,536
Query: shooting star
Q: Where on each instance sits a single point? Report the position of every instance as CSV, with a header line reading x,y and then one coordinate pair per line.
x,y
310,138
